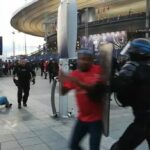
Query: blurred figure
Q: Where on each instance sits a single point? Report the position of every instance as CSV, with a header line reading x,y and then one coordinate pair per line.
x,y
42,67
50,68
72,64
45,69
23,74
5,68
9,67
55,68
89,86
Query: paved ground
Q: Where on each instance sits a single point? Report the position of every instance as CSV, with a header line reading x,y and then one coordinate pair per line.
x,y
33,128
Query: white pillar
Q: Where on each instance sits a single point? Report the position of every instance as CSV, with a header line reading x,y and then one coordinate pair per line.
x,y
63,100
66,42
13,43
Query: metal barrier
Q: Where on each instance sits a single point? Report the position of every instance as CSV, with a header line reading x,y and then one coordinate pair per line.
x,y
55,115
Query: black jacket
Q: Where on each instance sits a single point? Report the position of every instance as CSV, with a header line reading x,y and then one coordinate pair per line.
x,y
24,74
132,86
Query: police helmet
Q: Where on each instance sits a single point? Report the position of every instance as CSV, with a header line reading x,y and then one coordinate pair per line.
x,y
139,46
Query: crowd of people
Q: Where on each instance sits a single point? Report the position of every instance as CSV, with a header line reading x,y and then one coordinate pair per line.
x,y
24,72
6,67
50,68
130,81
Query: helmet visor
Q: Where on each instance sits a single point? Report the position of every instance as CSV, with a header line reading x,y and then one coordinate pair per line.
x,y
125,50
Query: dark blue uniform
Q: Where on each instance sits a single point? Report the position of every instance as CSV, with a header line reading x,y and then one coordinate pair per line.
x,y
24,74
139,99
132,87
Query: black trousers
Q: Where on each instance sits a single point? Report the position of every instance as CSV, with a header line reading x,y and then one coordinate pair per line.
x,y
51,76
134,135
23,93
81,129
42,71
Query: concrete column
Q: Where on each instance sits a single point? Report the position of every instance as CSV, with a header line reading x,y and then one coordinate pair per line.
x,y
147,25
86,21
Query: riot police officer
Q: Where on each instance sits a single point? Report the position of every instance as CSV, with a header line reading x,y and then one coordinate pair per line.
x,y
24,75
132,87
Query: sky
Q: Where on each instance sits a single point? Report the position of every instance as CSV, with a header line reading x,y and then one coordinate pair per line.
x,y
7,9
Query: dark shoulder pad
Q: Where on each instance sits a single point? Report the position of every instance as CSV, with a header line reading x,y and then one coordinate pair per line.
x,y
128,69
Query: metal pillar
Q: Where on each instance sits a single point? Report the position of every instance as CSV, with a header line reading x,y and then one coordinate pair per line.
x,y
25,45
25,42
63,100
66,42
62,41
86,22
13,44
147,25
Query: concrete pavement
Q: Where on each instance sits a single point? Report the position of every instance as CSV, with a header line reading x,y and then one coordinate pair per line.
x,y
33,128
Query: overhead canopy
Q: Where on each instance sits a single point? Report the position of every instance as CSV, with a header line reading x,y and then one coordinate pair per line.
x,y
32,18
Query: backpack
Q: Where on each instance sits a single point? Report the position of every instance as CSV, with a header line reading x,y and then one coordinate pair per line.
x,y
124,85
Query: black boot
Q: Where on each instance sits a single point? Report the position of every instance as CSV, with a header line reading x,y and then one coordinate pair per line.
x,y
25,104
19,106
8,105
